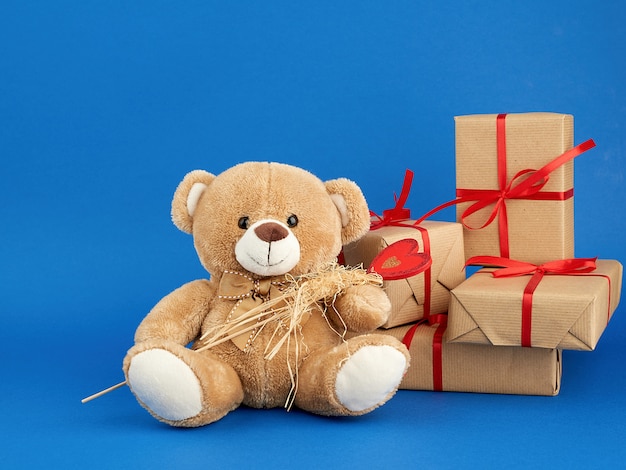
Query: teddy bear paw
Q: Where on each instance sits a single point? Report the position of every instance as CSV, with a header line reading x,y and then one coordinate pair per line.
x,y
370,377
363,308
165,384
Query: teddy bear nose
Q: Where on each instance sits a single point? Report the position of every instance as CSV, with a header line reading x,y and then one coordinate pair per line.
x,y
271,232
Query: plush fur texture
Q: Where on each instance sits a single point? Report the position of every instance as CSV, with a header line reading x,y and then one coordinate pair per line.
x,y
287,209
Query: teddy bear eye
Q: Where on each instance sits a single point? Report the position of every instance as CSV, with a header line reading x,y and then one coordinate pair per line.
x,y
292,220
244,222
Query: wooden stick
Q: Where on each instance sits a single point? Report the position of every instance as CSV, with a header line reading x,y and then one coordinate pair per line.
x,y
103,392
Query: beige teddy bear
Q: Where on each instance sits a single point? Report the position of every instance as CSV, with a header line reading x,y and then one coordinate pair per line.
x,y
259,229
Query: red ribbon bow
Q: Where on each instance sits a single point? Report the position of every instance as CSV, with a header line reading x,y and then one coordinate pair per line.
x,y
526,184
510,268
397,214
396,217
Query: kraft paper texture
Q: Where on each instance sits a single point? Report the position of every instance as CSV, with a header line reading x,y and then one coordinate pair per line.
x,y
568,312
539,231
479,368
407,295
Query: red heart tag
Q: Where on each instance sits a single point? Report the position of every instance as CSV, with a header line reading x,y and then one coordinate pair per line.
x,y
401,260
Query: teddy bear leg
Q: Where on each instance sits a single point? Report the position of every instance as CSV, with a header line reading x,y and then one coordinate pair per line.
x,y
180,386
353,378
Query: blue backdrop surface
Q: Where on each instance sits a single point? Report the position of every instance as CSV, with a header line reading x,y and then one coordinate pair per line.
x,y
104,106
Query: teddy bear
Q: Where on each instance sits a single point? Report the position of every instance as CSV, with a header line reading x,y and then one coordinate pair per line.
x,y
259,228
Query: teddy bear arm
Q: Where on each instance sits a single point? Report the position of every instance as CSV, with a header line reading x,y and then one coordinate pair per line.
x,y
179,315
361,309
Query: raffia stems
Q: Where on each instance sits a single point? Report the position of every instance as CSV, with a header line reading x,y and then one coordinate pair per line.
x,y
287,311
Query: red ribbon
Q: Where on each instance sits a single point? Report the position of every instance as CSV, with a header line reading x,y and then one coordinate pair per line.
x,y
510,268
441,320
396,217
427,271
526,184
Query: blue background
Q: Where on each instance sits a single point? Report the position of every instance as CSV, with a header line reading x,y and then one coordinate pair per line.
x,y
105,105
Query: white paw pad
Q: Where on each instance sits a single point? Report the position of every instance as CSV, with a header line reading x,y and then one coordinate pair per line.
x,y
369,376
165,384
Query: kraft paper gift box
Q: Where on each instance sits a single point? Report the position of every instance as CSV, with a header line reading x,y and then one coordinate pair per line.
x,y
476,367
408,296
490,151
567,311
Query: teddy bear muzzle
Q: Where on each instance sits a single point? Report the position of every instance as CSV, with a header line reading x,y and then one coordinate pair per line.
x,y
268,248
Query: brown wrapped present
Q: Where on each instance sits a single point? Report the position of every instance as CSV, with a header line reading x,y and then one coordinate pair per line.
x,y
564,311
409,297
513,212
439,365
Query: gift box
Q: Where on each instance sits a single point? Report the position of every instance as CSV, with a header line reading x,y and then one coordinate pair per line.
x,y
427,292
437,364
564,311
507,209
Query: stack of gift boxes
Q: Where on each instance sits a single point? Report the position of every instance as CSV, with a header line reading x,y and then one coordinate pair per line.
x,y
502,329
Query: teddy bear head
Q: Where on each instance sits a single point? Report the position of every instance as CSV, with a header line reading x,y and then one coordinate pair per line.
x,y
268,219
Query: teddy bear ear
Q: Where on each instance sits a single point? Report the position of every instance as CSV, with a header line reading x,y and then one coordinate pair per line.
x,y
187,196
352,207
